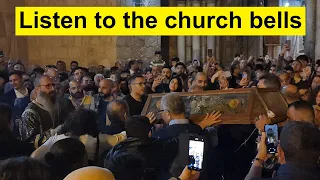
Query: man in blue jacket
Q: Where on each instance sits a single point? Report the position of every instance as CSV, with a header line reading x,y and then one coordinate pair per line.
x,y
17,98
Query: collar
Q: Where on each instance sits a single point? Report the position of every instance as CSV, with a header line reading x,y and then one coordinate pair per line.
x,y
74,101
20,95
178,121
131,71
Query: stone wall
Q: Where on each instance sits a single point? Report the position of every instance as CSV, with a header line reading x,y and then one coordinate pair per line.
x,y
138,47
13,47
85,49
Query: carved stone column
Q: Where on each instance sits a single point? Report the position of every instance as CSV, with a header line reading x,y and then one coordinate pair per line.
x,y
318,32
188,39
203,39
211,40
311,28
196,49
181,41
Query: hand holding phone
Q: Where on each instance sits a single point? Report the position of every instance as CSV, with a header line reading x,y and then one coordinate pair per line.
x,y
196,153
271,138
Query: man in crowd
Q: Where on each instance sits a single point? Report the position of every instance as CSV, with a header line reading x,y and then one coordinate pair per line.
x,y
133,67
73,66
118,113
18,98
103,98
78,74
290,93
269,81
136,99
299,152
201,80
78,98
38,115
61,67
161,83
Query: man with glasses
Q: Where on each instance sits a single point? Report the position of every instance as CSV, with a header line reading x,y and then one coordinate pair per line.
x,y
78,98
39,114
136,99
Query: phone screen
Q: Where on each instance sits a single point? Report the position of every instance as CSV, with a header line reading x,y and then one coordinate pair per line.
x,y
271,138
196,150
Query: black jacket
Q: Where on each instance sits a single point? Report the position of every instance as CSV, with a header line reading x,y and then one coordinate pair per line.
x,y
11,147
294,172
157,154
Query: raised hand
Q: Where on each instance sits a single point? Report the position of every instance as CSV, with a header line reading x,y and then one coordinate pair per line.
x,y
210,119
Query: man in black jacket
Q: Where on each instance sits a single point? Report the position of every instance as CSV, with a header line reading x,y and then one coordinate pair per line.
x,y
299,153
157,154
173,113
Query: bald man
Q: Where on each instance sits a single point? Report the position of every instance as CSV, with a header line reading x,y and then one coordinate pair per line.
x,y
78,98
201,80
102,100
117,114
92,173
52,73
290,93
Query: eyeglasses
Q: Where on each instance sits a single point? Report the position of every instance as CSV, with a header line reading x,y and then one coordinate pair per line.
x,y
141,84
49,86
161,111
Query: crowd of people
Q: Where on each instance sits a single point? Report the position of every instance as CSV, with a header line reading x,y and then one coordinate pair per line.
x,y
86,123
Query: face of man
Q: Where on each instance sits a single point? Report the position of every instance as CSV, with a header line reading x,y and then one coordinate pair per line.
x,y
135,66
47,86
19,67
78,74
315,82
284,79
165,115
74,66
261,84
296,65
11,64
61,66
304,94
272,70
105,88
86,81
156,71
16,81
201,80
180,69
137,86
243,64
100,69
76,90
166,73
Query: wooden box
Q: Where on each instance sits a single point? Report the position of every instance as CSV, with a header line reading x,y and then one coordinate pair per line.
x,y
238,106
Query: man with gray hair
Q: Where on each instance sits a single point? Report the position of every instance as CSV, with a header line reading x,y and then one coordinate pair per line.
x,y
201,80
173,113
117,114
290,93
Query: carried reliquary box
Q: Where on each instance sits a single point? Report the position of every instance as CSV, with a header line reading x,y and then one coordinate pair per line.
x,y
238,106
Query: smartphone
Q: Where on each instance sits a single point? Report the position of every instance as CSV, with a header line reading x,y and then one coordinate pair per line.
x,y
244,75
196,153
288,42
210,52
272,138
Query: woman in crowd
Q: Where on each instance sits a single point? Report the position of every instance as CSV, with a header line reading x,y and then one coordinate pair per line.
x,y
175,84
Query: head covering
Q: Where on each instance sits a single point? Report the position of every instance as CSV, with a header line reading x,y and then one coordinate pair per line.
x,y
138,126
90,173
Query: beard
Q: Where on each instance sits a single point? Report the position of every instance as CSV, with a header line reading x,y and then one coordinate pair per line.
x,y
77,95
104,96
